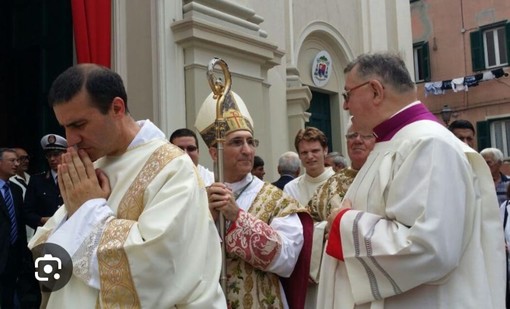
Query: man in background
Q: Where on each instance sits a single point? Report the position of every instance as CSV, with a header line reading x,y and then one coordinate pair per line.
x,y
494,159
13,241
22,178
464,130
258,167
289,167
186,139
312,146
336,161
43,197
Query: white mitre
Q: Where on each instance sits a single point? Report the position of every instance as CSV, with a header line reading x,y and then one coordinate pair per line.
x,y
235,114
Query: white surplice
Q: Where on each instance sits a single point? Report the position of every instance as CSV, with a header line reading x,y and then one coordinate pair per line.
x,y
303,187
423,232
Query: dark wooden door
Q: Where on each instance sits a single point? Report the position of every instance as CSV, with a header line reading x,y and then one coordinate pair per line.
x,y
321,115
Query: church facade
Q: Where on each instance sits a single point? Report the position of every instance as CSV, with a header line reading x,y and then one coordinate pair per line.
x,y
286,59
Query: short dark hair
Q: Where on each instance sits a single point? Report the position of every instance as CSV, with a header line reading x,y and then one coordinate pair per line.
x,y
310,134
101,84
388,67
461,124
183,132
257,161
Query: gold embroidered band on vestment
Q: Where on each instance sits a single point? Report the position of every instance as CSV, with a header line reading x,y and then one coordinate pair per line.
x,y
117,287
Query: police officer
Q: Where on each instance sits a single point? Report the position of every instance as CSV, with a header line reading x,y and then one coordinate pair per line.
x,y
43,197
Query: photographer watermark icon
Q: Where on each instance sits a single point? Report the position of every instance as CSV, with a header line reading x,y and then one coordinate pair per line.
x,y
53,266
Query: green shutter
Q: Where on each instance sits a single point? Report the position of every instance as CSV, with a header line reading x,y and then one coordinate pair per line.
x,y
477,56
483,134
426,62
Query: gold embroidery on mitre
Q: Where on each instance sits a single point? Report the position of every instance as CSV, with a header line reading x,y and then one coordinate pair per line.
x,y
234,120
131,205
117,287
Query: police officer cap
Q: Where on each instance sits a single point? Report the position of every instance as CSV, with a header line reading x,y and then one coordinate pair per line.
x,y
53,142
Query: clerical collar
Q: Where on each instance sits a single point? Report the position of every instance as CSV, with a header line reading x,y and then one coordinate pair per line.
x,y
239,185
413,112
322,177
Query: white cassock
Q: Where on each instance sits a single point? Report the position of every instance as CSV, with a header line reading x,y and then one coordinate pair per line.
x,y
167,252
423,232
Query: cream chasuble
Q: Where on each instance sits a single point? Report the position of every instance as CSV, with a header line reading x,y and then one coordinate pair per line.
x,y
410,242
327,197
330,194
153,244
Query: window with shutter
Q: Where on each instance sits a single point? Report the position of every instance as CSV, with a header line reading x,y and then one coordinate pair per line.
x,y
490,46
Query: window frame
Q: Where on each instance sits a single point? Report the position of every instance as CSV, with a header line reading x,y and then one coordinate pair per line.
x,y
488,137
496,48
479,53
421,65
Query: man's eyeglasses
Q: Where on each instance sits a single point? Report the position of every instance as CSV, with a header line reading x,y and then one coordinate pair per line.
x,y
347,93
189,148
23,158
355,135
239,142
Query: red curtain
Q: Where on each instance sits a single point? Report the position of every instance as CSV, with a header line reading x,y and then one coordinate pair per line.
x,y
92,31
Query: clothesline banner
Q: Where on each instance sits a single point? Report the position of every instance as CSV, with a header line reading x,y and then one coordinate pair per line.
x,y
462,83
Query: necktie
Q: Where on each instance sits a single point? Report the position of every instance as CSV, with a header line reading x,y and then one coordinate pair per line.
x,y
12,213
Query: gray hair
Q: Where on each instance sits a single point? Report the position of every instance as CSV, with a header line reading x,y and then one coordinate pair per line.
x,y
389,68
496,154
338,159
6,149
289,163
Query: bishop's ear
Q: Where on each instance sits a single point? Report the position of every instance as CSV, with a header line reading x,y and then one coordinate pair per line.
x,y
378,89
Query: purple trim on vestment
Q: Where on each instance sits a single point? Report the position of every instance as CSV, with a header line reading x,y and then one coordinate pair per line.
x,y
388,128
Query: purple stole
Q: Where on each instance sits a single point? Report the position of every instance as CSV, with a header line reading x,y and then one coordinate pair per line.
x,y
388,128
